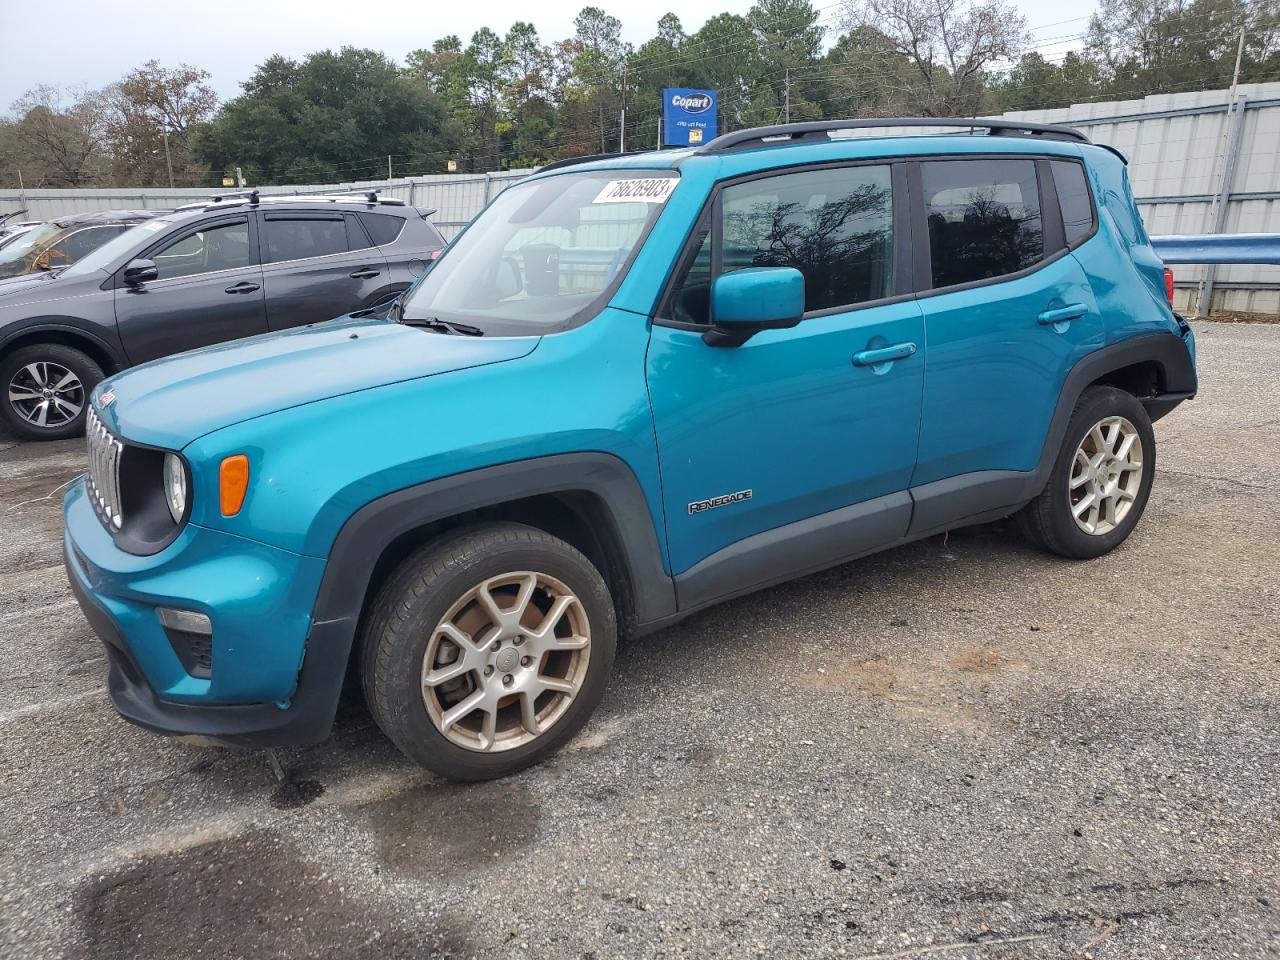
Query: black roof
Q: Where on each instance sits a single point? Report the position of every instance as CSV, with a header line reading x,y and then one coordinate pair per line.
x,y
107,216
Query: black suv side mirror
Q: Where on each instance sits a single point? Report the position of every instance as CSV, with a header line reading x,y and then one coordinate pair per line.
x,y
139,272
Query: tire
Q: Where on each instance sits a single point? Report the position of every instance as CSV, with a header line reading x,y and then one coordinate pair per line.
x,y
1050,520
30,378
433,606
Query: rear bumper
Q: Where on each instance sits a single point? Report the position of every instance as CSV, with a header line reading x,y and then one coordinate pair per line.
x,y
257,695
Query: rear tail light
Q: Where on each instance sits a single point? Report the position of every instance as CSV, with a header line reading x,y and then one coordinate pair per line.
x,y
435,254
1168,285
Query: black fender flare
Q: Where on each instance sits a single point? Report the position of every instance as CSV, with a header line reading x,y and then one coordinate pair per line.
x,y
65,327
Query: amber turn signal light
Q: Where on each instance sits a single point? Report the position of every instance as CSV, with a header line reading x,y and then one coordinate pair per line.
x,y
233,483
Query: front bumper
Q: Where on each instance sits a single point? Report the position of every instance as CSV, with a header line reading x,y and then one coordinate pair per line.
x,y
261,690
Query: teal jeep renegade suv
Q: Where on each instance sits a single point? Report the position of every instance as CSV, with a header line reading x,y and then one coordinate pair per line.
x,y
632,387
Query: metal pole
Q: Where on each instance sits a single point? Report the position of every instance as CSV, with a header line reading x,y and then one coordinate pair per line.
x,y
1205,290
622,120
22,190
388,166
168,160
1221,200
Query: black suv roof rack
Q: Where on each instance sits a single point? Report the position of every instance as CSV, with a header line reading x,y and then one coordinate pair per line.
x,y
250,195
818,130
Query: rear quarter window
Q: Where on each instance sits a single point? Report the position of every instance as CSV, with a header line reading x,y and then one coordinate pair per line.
x,y
1073,198
383,228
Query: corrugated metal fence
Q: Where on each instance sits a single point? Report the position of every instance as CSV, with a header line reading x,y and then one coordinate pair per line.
x,y
1196,167
456,198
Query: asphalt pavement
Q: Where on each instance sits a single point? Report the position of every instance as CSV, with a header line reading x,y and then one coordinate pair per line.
x,y
960,749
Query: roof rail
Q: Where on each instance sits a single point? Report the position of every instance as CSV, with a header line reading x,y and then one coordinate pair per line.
x,y
588,158
819,129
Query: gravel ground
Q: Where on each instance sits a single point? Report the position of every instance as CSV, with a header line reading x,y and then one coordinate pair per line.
x,y
961,748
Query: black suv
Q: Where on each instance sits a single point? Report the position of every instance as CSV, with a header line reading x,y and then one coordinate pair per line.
x,y
230,268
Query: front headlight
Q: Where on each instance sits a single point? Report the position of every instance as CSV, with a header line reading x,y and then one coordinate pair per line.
x,y
175,486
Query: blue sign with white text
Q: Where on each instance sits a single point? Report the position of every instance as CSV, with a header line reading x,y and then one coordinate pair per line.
x,y
688,117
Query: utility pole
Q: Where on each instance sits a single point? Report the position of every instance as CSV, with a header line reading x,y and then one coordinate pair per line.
x,y
622,120
786,96
168,159
388,166
1202,307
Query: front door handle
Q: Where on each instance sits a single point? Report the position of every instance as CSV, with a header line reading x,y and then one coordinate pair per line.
x,y
364,273
1072,311
872,358
244,286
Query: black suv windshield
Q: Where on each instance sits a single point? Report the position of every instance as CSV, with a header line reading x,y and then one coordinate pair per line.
x,y
539,258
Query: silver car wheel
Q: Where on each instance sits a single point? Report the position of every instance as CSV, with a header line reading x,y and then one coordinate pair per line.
x,y
46,394
1106,475
506,661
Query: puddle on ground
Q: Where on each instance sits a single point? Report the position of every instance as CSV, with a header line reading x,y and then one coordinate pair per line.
x,y
246,896
439,830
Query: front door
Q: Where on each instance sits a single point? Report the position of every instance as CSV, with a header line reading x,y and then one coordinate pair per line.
x,y
209,291
318,266
794,423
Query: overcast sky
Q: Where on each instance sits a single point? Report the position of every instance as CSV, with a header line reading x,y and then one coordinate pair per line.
x,y
95,42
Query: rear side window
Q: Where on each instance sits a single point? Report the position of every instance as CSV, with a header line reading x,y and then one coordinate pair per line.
x,y
382,227
834,226
85,241
304,238
984,218
1073,198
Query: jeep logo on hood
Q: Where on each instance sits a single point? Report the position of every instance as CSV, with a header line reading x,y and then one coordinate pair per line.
x,y
692,103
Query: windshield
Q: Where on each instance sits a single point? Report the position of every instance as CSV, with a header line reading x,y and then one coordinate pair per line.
x,y
104,258
543,253
31,240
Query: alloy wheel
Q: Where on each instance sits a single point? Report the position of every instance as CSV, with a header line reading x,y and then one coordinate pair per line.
x,y
506,661
46,394
1106,475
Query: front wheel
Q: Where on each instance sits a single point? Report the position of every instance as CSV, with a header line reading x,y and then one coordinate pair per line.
x,y
47,387
1101,480
487,649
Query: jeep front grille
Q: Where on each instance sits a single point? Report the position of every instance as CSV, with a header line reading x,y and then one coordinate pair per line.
x,y
104,472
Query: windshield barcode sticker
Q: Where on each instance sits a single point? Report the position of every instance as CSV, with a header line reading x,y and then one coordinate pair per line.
x,y
648,190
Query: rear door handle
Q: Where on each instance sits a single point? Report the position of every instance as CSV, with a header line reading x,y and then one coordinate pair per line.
x,y
1072,311
364,273
871,358
244,286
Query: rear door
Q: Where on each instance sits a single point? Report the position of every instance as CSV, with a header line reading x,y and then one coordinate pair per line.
x,y
317,266
1007,309
209,291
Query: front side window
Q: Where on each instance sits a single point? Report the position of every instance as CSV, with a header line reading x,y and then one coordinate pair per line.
x,y
221,247
304,238
543,253
835,226
984,218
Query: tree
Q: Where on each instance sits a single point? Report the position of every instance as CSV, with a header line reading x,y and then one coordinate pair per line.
x,y
1035,83
62,135
150,102
790,43
330,117
1149,46
950,45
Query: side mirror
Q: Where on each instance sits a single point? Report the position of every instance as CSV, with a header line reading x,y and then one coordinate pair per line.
x,y
758,298
139,272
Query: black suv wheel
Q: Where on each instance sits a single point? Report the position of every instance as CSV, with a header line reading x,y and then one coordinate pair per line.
x,y
487,649
47,387
1101,480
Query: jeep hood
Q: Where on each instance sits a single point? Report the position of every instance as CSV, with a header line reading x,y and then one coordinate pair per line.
x,y
168,403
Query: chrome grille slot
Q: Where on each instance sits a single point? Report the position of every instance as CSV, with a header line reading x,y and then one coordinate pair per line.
x,y
104,472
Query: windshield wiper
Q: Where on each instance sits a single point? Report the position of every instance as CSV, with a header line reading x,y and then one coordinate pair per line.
x,y
442,326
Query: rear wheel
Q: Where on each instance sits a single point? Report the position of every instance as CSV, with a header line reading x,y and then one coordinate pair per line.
x,y
47,387
1101,480
487,650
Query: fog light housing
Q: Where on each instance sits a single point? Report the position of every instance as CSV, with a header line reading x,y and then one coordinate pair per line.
x,y
191,636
